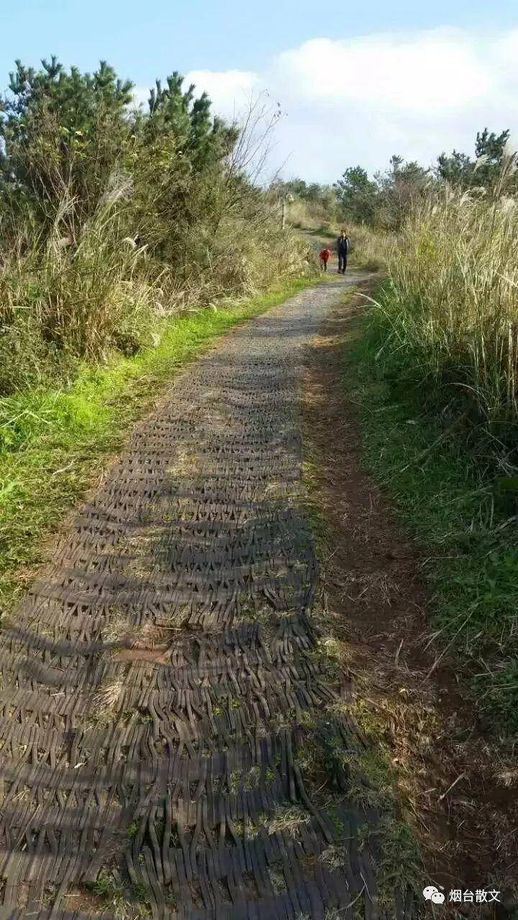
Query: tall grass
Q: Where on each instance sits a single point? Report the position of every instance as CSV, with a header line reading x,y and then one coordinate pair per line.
x,y
60,303
448,316
436,371
64,302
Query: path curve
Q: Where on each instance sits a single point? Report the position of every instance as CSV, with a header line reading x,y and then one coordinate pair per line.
x,y
158,677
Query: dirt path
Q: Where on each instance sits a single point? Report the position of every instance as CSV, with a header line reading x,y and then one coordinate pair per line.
x,y
162,680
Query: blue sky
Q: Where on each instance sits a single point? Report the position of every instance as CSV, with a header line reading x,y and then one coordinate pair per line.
x,y
234,48
144,40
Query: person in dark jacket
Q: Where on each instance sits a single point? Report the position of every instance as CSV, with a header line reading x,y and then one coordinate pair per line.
x,y
342,248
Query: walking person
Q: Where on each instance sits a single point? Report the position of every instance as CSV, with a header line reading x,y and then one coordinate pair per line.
x,y
342,247
325,255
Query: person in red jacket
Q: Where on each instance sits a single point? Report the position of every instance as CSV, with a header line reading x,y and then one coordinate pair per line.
x,y
324,258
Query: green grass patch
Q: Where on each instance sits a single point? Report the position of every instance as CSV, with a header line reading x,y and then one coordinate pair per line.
x,y
461,518
53,441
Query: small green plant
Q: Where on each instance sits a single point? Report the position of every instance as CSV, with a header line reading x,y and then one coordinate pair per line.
x,y
140,892
106,885
109,888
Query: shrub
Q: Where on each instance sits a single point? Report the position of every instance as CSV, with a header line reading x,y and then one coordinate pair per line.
x,y
111,218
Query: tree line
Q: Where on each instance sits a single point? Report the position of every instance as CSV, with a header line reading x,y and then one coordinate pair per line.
x,y
384,200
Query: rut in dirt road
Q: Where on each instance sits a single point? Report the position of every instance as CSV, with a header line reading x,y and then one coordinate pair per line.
x,y
158,677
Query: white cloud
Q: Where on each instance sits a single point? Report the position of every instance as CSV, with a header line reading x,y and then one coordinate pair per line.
x,y
229,90
434,71
359,100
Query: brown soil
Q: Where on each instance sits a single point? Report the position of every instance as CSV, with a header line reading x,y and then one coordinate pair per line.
x,y
457,788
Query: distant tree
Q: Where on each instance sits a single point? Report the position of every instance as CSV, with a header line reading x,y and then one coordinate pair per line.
x,y
455,168
357,195
484,170
398,190
384,200
490,150
296,187
313,192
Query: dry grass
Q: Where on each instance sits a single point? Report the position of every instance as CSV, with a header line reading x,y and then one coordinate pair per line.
x,y
117,629
334,857
312,216
449,316
106,703
288,819
62,303
370,248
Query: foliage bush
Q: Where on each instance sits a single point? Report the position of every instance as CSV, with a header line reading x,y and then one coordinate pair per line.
x,y
112,217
